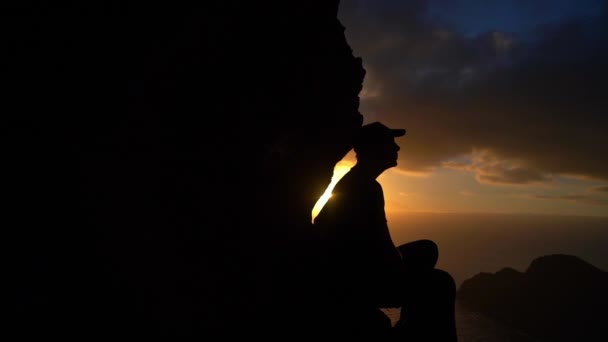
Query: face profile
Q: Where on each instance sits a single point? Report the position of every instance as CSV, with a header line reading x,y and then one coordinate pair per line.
x,y
391,151
375,144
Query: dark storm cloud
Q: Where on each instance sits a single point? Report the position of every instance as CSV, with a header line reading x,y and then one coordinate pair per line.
x,y
538,97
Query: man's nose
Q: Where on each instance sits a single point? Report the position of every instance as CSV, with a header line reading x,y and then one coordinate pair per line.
x,y
397,147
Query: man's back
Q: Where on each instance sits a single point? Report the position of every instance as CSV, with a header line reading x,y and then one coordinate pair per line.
x,y
353,216
362,268
355,235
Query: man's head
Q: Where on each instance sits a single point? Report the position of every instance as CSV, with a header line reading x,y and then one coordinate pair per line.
x,y
376,143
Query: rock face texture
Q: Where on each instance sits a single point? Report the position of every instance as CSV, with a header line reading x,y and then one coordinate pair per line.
x,y
177,152
558,298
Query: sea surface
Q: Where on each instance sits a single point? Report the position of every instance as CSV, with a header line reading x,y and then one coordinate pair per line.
x,y
474,327
473,243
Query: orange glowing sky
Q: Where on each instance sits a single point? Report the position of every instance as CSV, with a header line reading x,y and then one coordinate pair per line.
x,y
446,190
502,116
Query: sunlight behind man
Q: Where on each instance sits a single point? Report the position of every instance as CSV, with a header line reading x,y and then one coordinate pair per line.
x,y
341,168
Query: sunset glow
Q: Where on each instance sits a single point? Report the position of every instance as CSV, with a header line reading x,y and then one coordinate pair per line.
x,y
339,171
472,95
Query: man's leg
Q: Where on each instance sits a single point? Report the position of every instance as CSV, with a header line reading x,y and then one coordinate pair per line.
x,y
427,312
419,254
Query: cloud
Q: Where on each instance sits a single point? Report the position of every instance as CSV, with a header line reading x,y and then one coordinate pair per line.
x,y
576,198
411,173
563,197
599,189
491,169
536,99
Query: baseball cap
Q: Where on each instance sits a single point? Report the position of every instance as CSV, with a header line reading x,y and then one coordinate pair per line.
x,y
376,132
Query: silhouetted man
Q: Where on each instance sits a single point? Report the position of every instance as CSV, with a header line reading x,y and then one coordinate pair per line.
x,y
365,270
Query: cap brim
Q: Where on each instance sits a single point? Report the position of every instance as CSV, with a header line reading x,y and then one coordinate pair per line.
x,y
398,132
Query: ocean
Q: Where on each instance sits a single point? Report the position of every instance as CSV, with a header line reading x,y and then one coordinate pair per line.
x,y
474,327
473,243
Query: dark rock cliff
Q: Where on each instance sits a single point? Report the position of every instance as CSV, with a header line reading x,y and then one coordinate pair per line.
x,y
558,298
177,151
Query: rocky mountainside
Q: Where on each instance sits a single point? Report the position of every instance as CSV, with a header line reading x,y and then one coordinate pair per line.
x,y
558,298
177,150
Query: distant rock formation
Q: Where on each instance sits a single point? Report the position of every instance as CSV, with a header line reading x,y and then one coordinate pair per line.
x,y
165,159
558,298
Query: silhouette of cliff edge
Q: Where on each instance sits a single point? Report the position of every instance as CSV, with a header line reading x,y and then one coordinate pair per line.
x,y
165,158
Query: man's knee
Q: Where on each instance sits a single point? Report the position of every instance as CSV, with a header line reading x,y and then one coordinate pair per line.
x,y
430,248
420,254
443,283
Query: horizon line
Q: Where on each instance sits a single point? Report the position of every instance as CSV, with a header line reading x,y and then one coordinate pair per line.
x,y
505,213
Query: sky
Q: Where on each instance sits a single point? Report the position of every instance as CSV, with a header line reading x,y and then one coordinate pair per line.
x,y
505,102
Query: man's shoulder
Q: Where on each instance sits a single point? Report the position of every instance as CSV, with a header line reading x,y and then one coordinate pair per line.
x,y
356,181
355,184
